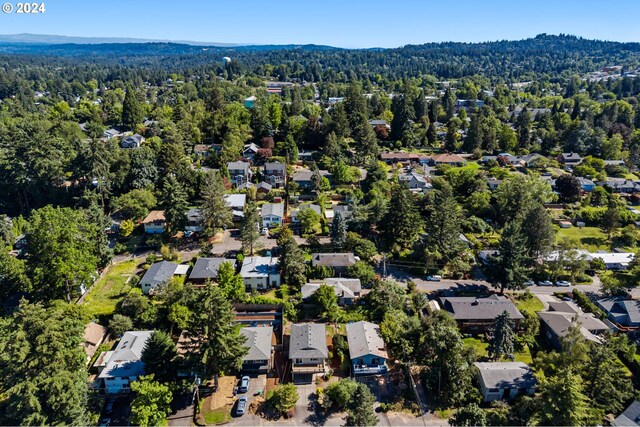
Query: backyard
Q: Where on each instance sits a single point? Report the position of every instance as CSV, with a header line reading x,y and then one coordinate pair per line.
x,y
480,347
109,290
530,304
590,238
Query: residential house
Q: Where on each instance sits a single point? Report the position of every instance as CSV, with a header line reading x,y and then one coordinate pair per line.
x,y
614,260
250,151
275,173
112,133
239,172
414,181
202,150
304,178
124,365
586,184
504,380
555,323
509,159
195,220
344,210
159,273
250,102
347,290
533,159
569,159
260,341
133,141
448,159
272,214
237,203
404,158
154,223
260,273
302,207
630,417
94,335
264,187
476,315
207,269
621,185
374,123
367,349
308,350
338,262
622,311
493,183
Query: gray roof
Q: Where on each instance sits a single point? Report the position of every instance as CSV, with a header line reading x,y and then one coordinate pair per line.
x,y
365,338
276,209
571,156
619,308
559,322
306,175
333,259
207,268
630,416
344,288
345,211
308,341
238,166
411,176
259,342
264,185
471,308
275,166
259,266
158,273
194,214
237,201
505,375
125,359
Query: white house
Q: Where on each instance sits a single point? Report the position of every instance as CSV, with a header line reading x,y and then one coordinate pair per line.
x,y
120,367
272,214
260,273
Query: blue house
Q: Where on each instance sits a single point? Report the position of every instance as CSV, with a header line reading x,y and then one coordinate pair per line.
x,y
586,184
367,349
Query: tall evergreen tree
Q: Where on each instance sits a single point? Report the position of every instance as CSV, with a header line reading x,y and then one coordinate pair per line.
x,y
338,231
132,113
158,355
174,200
217,215
444,225
502,340
562,401
537,228
403,223
250,228
360,409
508,269
43,366
292,263
221,346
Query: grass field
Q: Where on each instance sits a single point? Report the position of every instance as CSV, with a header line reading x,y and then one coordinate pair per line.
x,y
591,238
217,416
105,295
531,306
480,347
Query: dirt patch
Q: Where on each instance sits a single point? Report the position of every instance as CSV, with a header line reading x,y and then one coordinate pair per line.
x,y
217,238
224,396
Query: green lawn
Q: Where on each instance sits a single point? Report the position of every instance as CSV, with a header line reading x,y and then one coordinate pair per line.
x,y
591,238
218,416
531,305
480,347
105,295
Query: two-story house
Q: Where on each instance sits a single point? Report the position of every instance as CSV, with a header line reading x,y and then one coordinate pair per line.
x,y
275,173
272,214
124,365
414,181
133,141
308,350
338,262
260,273
260,341
239,172
367,349
154,223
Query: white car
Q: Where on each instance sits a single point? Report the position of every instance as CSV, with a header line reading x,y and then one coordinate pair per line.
x,y
563,283
545,283
265,231
434,278
529,283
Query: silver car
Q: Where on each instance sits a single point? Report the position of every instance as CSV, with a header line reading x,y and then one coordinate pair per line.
x,y
242,406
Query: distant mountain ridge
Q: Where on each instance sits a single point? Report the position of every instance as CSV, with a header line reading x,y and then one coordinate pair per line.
x,y
29,38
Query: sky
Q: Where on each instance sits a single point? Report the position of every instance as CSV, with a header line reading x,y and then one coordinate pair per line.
x,y
341,23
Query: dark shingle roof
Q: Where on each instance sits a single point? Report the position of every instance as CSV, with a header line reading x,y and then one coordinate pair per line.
x,y
333,259
159,272
308,341
471,308
207,268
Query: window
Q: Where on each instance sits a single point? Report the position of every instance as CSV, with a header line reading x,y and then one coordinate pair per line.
x,y
298,361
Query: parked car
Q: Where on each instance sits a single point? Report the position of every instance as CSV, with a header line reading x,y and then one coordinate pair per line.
x,y
434,278
563,283
545,283
529,283
265,231
244,384
242,406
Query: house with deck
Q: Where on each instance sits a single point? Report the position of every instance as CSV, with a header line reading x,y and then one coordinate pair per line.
x,y
207,269
239,172
476,315
159,274
260,273
347,290
367,349
260,341
124,365
556,321
308,350
154,223
338,262
275,173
